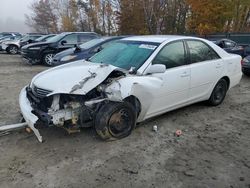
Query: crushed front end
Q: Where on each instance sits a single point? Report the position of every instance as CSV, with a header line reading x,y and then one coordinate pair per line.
x,y
69,111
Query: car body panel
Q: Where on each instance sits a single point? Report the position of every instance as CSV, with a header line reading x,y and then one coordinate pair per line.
x,y
82,71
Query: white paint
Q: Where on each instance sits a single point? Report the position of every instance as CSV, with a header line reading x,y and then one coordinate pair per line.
x,y
159,92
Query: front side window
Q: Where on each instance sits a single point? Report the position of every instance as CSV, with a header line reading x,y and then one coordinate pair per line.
x,y
172,55
125,54
70,39
200,52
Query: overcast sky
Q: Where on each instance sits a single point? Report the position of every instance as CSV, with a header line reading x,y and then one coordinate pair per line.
x,y
12,15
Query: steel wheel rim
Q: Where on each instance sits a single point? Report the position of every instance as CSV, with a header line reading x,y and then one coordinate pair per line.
x,y
219,93
120,123
49,59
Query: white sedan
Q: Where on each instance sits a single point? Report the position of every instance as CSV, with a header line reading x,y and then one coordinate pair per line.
x,y
129,81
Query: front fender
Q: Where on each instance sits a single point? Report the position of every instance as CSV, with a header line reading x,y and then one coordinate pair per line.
x,y
142,87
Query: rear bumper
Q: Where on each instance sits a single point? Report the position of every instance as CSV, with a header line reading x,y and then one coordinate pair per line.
x,y
26,110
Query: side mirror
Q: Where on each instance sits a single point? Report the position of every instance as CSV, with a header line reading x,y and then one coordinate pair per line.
x,y
77,48
30,41
156,68
63,42
96,50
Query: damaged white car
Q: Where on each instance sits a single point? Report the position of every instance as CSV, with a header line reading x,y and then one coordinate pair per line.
x,y
132,80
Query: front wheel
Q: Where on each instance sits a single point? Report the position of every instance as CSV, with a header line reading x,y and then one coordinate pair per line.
x,y
115,120
219,93
48,59
12,49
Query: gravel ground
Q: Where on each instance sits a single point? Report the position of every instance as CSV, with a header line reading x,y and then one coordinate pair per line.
x,y
213,151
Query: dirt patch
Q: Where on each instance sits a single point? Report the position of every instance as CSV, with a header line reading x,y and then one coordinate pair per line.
x,y
213,150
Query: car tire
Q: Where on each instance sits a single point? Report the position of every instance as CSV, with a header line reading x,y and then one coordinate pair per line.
x,y
219,93
12,49
115,120
48,59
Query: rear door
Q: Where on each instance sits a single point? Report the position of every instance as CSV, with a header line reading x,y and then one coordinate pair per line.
x,y
206,68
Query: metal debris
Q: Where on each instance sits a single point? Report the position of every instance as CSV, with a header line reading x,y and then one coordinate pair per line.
x,y
155,128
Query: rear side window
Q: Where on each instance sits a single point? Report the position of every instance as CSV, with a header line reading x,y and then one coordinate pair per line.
x,y
172,55
200,52
82,38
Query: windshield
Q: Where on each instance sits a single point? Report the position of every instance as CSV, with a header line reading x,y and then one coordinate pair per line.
x,y
90,43
125,54
56,38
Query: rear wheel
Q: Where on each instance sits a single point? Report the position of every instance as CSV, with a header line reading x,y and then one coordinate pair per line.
x,y
12,49
219,93
115,120
48,59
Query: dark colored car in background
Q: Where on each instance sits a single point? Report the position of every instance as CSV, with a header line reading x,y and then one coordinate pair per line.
x,y
43,52
246,65
231,47
84,51
13,46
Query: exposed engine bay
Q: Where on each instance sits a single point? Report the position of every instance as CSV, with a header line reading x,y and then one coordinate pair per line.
x,y
69,111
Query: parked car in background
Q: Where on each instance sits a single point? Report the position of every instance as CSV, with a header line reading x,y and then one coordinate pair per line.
x,y
231,47
6,34
83,51
133,79
246,65
43,52
13,47
8,38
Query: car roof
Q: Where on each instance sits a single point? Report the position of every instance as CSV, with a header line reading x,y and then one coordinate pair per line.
x,y
80,33
158,38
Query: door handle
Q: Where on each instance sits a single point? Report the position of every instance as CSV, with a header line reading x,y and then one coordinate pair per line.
x,y
218,66
184,74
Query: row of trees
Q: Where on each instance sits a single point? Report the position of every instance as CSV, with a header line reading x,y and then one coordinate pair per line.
x,y
140,16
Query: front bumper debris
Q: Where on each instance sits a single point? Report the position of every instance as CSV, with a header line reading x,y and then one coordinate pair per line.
x,y
26,111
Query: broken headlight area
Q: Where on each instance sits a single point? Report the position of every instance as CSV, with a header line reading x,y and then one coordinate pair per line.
x,y
65,110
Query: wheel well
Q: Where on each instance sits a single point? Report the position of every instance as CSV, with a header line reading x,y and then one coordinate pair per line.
x,y
227,80
135,102
12,45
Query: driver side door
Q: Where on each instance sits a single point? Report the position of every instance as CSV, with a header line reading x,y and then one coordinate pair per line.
x,y
176,79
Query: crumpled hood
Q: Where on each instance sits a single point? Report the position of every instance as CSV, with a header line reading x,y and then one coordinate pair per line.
x,y
74,78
